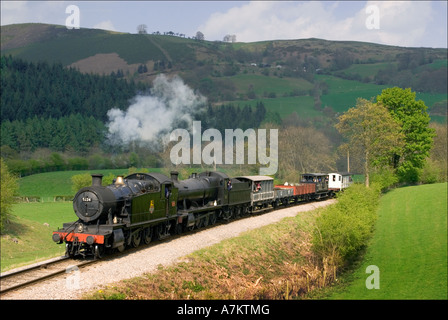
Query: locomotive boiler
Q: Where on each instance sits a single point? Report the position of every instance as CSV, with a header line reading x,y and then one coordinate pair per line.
x,y
198,189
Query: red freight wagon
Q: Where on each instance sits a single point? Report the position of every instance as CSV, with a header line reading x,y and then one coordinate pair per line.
x,y
301,189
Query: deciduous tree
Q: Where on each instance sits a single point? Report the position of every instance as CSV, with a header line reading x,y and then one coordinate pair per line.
x,y
411,115
371,133
9,187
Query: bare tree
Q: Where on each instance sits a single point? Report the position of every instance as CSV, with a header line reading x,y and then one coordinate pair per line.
x,y
200,36
229,38
141,28
304,149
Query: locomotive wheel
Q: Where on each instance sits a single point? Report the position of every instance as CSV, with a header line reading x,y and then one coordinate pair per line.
x,y
68,251
238,212
213,218
136,239
178,228
227,214
147,235
99,252
203,222
162,230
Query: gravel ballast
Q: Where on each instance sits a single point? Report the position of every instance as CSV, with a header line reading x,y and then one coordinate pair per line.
x,y
135,263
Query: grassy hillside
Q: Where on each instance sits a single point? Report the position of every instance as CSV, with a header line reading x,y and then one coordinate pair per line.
x,y
409,247
225,72
62,45
28,234
58,183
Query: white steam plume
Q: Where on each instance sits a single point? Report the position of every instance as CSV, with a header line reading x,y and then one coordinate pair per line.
x,y
148,117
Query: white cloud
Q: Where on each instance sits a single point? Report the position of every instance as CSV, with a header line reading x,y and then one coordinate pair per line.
x,y
33,11
14,12
105,25
402,23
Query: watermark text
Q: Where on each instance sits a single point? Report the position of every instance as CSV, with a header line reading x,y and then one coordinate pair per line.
x,y
73,20
373,20
373,281
234,141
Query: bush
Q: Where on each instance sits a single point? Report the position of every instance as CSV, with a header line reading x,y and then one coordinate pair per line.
x,y
80,181
9,188
385,178
344,228
85,179
433,172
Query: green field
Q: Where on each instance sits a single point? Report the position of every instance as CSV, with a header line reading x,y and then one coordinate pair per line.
x,y
343,93
284,106
368,70
262,84
409,247
58,183
29,232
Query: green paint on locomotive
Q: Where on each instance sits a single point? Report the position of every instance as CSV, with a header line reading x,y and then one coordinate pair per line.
x,y
155,205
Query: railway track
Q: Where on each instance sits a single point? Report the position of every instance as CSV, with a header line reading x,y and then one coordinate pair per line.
x,y
14,280
48,269
52,289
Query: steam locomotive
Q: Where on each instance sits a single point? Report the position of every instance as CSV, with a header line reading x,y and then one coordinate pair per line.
x,y
143,207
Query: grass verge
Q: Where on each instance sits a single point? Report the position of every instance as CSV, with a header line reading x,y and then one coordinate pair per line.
x,y
27,237
273,262
409,247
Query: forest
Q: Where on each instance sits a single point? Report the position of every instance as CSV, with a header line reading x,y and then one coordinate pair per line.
x,y
52,91
55,118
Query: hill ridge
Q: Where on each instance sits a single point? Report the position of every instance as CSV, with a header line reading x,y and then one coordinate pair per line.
x,y
286,75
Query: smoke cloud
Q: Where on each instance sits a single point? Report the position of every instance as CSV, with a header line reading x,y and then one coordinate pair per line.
x,y
170,105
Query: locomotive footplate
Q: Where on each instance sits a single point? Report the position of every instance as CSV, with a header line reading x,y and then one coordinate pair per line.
x,y
89,234
59,236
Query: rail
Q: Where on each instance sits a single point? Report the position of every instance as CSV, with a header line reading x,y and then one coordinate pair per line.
x,y
45,270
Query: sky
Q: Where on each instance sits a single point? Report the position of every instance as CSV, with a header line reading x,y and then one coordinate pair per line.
x,y
402,23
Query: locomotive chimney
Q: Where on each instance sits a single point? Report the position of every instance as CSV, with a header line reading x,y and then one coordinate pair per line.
x,y
97,179
174,175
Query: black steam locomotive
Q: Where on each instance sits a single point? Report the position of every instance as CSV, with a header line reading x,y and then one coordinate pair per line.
x,y
149,206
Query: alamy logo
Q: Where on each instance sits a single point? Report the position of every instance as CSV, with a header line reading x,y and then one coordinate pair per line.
x,y
373,20
72,281
73,20
212,152
373,281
